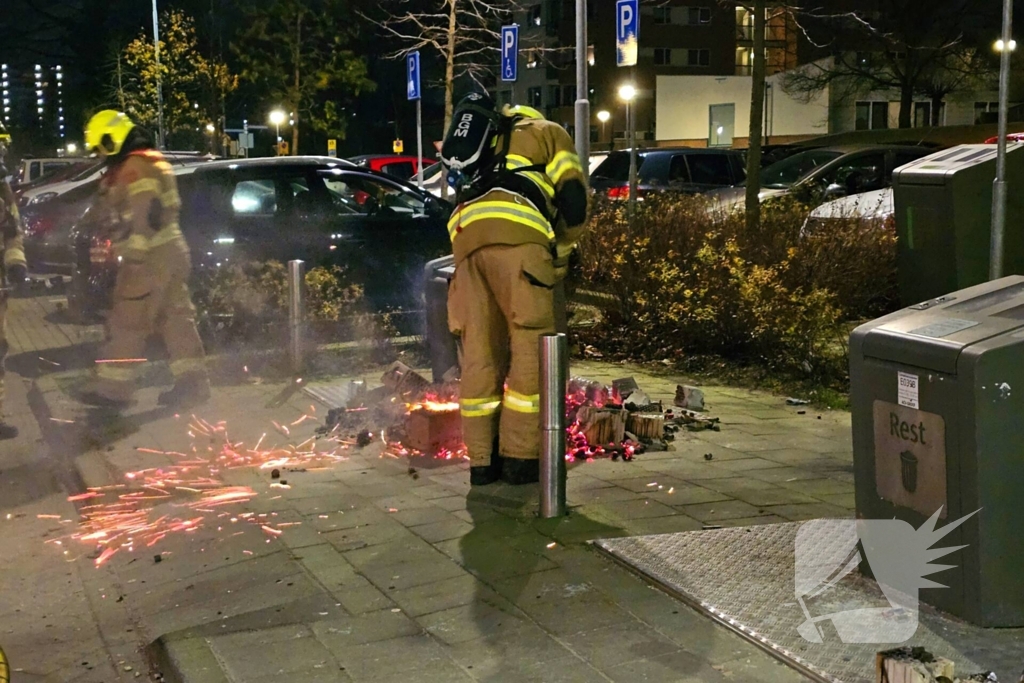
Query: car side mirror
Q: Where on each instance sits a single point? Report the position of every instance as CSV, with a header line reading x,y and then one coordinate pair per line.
x,y
834,191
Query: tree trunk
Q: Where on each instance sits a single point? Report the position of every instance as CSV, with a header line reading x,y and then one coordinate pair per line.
x,y
449,79
906,106
297,58
753,203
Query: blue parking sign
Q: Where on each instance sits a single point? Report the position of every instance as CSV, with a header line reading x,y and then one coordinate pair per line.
x,y
627,32
509,53
412,75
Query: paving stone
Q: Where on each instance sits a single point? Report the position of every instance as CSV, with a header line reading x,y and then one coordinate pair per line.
x,y
382,532
488,617
819,487
757,670
375,660
805,511
714,512
441,595
675,667
383,625
843,500
771,496
746,464
779,475
414,517
508,651
693,494
614,645
284,651
752,521
660,525
731,484
443,531
612,511
567,670
490,560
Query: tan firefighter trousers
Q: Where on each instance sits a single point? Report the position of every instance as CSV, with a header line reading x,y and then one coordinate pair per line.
x,y
150,298
500,302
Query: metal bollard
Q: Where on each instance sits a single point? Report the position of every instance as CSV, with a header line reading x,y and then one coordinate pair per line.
x,y
554,352
296,313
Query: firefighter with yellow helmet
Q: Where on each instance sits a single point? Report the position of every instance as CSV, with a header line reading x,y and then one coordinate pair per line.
x,y
12,265
522,203
137,211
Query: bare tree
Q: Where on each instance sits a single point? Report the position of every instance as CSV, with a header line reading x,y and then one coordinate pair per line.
x,y
892,48
464,34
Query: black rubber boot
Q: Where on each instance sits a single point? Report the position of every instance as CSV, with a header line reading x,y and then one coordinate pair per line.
x,y
7,431
516,471
190,390
486,474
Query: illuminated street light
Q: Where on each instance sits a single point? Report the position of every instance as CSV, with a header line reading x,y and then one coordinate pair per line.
x,y
210,128
603,116
277,117
1000,45
72,148
627,92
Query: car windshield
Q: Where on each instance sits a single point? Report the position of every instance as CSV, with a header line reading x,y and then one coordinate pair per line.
x,y
616,166
431,171
784,174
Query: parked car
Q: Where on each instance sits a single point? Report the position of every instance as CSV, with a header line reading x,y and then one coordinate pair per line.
x,y
34,169
396,165
434,175
868,209
687,170
49,191
826,173
321,210
1010,137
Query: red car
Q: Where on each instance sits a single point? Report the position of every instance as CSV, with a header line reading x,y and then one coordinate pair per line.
x,y
1010,137
396,165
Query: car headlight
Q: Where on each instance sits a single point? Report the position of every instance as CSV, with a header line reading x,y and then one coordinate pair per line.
x,y
42,197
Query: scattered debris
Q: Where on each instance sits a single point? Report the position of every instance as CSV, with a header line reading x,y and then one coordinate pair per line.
x,y
275,474
430,428
801,412
709,456
404,381
157,559
797,402
364,438
690,398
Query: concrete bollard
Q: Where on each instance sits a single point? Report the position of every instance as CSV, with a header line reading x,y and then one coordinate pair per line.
x,y
296,314
554,353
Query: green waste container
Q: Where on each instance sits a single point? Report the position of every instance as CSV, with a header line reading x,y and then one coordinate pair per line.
x,y
937,401
943,205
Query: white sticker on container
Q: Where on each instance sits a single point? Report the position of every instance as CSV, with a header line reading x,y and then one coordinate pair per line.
x,y
907,391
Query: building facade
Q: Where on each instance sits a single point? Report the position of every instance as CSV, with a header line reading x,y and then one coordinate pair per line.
x,y
32,101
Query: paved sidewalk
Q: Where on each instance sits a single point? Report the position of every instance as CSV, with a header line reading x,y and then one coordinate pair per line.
x,y
389,569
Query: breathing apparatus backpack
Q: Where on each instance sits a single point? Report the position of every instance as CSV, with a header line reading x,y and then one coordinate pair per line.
x,y
475,152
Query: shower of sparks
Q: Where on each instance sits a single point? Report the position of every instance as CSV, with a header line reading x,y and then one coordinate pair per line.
x,y
189,492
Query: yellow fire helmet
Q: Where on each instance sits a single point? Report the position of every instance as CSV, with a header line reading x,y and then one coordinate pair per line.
x,y
107,131
5,137
521,110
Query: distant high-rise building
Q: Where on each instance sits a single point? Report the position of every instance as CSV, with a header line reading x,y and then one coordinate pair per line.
x,y
32,98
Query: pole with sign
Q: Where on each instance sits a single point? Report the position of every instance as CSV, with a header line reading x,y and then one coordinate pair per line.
x,y
332,147
627,37
412,77
510,55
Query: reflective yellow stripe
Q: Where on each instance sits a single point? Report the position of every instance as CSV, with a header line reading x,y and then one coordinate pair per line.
x,y
186,366
564,162
480,407
14,257
516,213
136,243
521,403
144,185
116,372
168,233
515,161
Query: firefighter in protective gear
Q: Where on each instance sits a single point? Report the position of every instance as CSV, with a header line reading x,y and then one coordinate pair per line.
x,y
517,220
137,211
13,270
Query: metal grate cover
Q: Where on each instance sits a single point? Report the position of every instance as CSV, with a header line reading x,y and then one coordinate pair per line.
x,y
744,579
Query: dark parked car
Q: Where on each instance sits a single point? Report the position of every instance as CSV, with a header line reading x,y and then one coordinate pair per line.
x,y
827,173
687,170
397,165
321,210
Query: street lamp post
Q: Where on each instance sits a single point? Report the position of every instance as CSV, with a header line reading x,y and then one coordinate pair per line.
x,y
582,92
277,117
160,141
603,117
1005,47
627,93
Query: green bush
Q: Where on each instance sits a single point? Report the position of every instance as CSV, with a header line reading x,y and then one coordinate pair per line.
x,y
688,279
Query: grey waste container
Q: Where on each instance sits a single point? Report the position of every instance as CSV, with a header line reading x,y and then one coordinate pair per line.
x,y
441,344
943,205
937,400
